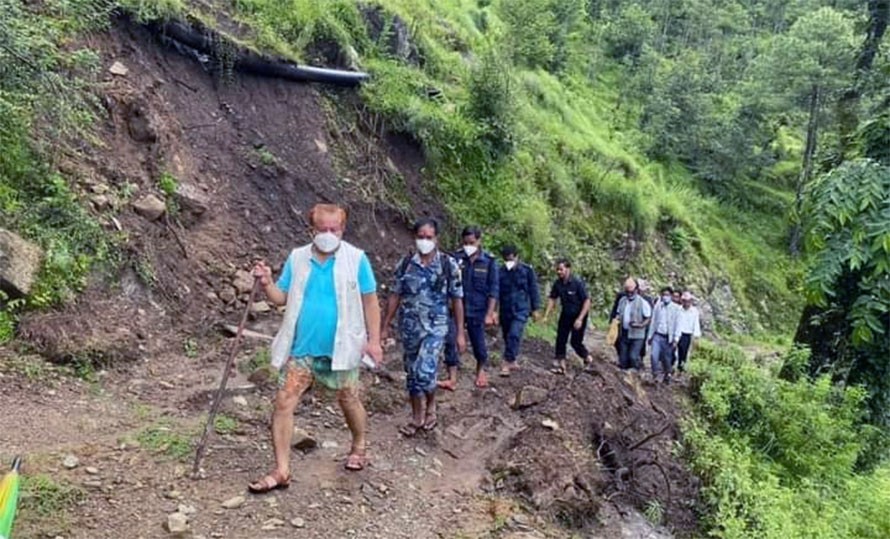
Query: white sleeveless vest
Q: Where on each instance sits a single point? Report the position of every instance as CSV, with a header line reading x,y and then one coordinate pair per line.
x,y
351,335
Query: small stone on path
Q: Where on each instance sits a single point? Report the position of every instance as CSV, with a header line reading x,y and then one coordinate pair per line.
x,y
239,400
119,69
70,462
529,396
92,470
234,503
177,523
303,440
272,524
298,522
329,444
550,424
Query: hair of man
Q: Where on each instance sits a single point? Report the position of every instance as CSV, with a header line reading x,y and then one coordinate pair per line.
x,y
472,230
426,222
327,209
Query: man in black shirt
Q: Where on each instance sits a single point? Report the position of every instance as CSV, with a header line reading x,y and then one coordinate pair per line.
x,y
572,295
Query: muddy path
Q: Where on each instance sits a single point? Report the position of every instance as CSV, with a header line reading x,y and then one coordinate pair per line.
x,y
488,471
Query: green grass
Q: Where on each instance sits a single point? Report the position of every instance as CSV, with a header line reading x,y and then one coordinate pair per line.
x,y
45,496
166,439
224,424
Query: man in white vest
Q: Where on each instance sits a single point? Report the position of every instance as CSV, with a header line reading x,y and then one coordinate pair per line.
x,y
331,319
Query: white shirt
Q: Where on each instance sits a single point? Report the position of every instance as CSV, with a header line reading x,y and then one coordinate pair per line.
x,y
688,322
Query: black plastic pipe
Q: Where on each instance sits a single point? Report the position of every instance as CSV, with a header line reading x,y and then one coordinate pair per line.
x,y
251,62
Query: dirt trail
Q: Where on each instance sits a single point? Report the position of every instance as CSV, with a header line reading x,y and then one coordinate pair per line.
x,y
434,486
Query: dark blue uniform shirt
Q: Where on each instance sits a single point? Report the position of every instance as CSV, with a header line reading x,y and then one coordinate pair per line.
x,y
480,282
519,294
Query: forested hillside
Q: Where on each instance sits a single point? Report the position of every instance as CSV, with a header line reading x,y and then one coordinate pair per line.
x,y
739,148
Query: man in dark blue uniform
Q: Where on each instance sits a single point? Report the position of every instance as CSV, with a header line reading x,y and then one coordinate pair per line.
x,y
519,299
479,275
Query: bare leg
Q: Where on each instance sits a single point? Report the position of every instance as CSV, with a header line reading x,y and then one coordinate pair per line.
x,y
356,417
430,419
417,409
286,400
451,383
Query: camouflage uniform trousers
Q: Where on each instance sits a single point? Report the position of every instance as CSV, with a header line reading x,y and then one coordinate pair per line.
x,y
421,359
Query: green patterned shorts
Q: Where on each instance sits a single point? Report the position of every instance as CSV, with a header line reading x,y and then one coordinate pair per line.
x,y
320,368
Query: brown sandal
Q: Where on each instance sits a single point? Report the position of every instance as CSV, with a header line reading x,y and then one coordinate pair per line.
x,y
356,462
273,481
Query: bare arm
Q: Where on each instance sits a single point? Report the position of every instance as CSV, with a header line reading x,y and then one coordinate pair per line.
x,y
371,305
392,305
275,294
263,272
551,304
457,308
585,308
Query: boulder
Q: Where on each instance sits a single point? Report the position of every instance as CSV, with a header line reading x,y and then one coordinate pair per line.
x,y
150,207
192,198
19,264
529,396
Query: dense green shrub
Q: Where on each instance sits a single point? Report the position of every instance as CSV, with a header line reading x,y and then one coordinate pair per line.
x,y
778,456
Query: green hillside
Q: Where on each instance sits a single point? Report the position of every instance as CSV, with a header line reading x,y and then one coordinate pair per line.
x,y
559,125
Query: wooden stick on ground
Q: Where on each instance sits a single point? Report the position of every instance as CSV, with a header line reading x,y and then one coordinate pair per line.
x,y
217,399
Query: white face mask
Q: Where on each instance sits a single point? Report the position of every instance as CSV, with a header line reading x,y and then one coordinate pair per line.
x,y
470,249
425,246
510,264
326,242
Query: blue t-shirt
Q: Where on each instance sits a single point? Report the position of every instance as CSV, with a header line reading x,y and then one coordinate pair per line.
x,y
317,322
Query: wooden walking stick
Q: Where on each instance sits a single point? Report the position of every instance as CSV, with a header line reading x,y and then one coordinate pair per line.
x,y
217,399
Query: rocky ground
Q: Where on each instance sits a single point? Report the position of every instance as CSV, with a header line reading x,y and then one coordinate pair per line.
x,y
109,457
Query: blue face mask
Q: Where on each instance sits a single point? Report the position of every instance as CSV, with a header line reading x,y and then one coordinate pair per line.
x,y
666,299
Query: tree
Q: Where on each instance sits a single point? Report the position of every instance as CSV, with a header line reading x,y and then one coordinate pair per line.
x,y
847,321
810,65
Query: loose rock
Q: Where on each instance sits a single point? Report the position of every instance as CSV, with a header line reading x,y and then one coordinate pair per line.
x,y
260,307
239,400
303,440
529,396
192,198
329,444
550,424
150,207
227,294
233,503
177,523
272,524
92,470
19,263
242,281
119,69
298,522
70,462
100,202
